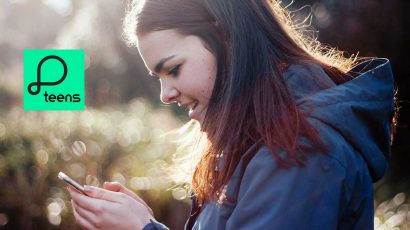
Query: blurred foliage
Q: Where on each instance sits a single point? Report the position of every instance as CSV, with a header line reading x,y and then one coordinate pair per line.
x,y
125,144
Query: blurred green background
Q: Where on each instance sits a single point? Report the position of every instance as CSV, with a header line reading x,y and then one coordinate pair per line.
x,y
119,137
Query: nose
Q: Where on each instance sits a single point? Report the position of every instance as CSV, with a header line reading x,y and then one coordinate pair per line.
x,y
169,94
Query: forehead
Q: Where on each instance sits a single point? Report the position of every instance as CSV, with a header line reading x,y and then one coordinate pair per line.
x,y
160,44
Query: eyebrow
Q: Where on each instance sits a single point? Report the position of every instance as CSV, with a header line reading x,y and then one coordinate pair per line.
x,y
160,64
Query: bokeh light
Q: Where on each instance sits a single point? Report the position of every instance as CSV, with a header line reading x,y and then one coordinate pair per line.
x,y
322,15
140,183
62,7
79,148
42,157
92,180
179,193
118,177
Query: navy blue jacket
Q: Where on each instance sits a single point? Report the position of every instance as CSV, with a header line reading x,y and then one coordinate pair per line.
x,y
334,190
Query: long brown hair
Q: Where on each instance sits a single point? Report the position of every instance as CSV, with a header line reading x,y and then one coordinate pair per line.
x,y
253,41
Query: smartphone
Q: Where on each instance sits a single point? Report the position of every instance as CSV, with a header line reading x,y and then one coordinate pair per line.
x,y
62,176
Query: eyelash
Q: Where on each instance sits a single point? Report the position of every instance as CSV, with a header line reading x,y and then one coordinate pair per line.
x,y
175,70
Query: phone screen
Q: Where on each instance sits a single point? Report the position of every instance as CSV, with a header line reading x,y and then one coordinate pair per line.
x,y
73,183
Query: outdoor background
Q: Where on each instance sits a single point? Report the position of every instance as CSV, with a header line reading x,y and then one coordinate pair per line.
x,y
119,135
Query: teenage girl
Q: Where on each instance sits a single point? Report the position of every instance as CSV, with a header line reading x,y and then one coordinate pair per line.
x,y
296,133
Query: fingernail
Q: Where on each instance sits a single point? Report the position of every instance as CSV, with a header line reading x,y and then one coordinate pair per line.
x,y
88,189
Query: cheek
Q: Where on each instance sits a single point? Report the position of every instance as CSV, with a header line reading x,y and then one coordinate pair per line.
x,y
208,75
199,80
209,87
206,83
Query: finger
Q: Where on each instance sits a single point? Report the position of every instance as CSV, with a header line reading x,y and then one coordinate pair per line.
x,y
112,186
91,204
84,213
81,220
117,187
102,194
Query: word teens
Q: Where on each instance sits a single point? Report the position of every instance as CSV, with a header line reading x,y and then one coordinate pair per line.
x,y
61,97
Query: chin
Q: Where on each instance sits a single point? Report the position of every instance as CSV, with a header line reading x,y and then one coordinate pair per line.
x,y
200,119
197,121
200,122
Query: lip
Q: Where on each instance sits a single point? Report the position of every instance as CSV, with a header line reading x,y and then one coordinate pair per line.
x,y
192,106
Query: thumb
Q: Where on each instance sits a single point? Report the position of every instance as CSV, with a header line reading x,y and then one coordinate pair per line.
x,y
100,193
117,187
113,186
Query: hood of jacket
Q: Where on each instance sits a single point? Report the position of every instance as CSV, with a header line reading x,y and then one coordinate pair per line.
x,y
360,109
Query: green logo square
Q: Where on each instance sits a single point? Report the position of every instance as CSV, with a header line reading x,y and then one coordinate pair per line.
x,y
53,80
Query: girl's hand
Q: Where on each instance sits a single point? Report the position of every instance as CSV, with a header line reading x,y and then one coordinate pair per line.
x,y
117,187
104,209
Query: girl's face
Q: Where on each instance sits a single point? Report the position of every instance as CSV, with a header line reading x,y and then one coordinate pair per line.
x,y
185,68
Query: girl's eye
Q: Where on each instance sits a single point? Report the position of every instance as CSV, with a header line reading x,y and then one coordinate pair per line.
x,y
174,71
